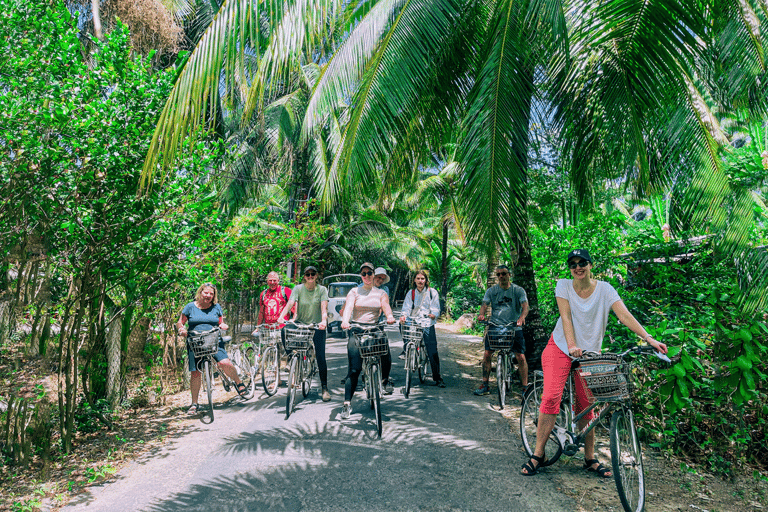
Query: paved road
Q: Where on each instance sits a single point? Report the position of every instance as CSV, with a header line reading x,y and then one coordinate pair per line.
x,y
441,449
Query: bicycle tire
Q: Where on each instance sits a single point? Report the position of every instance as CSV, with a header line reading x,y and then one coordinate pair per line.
x,y
270,370
501,379
627,461
409,363
208,376
422,362
293,377
529,421
246,362
376,402
308,370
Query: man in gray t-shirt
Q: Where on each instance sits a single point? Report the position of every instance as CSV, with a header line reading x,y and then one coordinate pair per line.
x,y
509,304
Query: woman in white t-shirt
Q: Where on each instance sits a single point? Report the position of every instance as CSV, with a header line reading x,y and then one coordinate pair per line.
x,y
584,304
364,305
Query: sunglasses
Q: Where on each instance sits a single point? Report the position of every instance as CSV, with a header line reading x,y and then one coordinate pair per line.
x,y
310,274
499,274
366,274
582,264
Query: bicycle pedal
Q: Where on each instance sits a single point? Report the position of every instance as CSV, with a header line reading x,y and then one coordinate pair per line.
x,y
570,450
215,375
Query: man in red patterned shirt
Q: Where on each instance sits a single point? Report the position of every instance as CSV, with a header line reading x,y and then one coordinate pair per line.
x,y
272,301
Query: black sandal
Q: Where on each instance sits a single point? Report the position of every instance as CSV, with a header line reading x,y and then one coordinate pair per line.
x,y
241,389
530,468
600,470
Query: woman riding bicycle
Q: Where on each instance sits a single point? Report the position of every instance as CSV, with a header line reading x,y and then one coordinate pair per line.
x,y
364,305
584,304
204,314
423,301
312,300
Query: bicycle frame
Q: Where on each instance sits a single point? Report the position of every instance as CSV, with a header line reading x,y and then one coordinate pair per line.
x,y
571,439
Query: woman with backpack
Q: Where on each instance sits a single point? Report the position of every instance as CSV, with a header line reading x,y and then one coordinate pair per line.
x,y
424,301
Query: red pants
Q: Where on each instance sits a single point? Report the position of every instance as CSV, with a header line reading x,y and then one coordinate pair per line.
x,y
556,366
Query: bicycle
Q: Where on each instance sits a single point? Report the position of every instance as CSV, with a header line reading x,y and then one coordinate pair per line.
x,y
301,361
501,338
608,377
416,357
204,346
372,344
269,356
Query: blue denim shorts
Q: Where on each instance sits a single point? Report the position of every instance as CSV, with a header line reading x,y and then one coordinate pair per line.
x,y
220,355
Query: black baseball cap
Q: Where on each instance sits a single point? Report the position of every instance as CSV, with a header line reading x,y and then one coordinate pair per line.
x,y
580,253
310,268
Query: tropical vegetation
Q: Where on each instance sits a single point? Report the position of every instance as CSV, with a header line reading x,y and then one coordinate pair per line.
x,y
445,134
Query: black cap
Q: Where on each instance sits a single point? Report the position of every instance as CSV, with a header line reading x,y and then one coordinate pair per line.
x,y
580,253
310,268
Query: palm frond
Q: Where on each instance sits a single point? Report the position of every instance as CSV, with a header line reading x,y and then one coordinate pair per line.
x,y
191,105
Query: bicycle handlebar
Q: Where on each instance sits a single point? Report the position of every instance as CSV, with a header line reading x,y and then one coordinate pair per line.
x,y
366,327
635,349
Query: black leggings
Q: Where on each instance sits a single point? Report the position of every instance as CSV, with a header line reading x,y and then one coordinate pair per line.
x,y
356,366
319,340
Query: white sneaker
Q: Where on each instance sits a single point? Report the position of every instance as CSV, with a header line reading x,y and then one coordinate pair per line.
x,y
401,356
346,410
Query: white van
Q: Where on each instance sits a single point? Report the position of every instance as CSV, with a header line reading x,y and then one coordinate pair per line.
x,y
338,286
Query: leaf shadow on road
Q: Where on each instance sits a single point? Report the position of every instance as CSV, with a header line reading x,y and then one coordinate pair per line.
x,y
289,465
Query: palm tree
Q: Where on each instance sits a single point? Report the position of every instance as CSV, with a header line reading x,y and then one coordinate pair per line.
x,y
629,85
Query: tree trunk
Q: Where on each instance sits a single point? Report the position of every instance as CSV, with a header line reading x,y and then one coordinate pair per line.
x,y
96,20
444,261
114,352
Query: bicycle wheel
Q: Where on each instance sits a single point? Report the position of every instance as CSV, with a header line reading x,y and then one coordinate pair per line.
x,y
245,362
293,383
308,370
208,376
627,461
501,379
423,360
376,402
529,422
270,370
410,359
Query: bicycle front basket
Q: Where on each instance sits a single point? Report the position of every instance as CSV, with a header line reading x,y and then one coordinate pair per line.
x,y
412,333
606,376
371,343
298,337
268,336
500,338
204,343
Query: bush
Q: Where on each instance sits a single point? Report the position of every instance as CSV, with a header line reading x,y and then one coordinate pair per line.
x,y
464,297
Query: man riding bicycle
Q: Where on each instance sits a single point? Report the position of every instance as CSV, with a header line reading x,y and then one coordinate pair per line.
x,y
509,303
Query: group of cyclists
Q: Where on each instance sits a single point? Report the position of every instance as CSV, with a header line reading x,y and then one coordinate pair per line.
x,y
584,304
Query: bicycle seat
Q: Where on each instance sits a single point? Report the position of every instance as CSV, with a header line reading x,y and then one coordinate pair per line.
x,y
226,339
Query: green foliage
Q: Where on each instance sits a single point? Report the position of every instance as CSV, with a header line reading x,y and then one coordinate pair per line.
x,y
465,297
86,417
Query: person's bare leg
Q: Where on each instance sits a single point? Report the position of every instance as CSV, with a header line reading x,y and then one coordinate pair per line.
x,y
229,369
589,445
487,366
522,369
545,427
194,385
